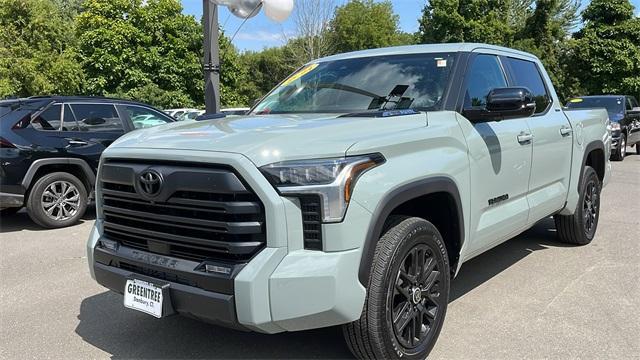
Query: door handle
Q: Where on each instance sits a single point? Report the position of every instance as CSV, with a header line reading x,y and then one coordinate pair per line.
x,y
565,131
525,138
76,142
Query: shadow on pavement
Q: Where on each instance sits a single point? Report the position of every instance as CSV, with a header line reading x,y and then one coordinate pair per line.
x,y
106,324
21,221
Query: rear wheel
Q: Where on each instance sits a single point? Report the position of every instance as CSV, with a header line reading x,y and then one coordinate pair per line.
x,y
407,296
580,228
57,200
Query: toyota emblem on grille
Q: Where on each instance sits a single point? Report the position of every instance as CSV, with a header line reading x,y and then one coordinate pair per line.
x,y
150,182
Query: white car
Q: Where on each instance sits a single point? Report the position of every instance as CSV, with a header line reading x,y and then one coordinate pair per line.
x,y
235,111
176,113
190,115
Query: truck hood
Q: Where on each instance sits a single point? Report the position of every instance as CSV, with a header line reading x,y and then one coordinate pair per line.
x,y
266,139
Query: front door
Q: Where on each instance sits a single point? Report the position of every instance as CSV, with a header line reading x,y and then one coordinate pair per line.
x,y
500,161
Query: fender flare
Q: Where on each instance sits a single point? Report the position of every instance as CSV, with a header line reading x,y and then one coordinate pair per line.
x,y
594,145
86,169
397,197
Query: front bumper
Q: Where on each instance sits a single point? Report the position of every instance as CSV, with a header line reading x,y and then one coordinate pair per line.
x,y
284,287
615,139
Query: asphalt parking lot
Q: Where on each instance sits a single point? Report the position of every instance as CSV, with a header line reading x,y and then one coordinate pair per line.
x,y
528,298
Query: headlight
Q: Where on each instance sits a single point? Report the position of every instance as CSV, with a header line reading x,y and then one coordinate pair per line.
x,y
331,179
614,126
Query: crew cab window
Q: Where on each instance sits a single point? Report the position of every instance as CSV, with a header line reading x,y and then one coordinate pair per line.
x,y
484,75
143,118
526,74
629,105
96,117
48,120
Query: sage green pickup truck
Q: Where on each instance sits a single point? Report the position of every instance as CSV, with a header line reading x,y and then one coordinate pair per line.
x,y
350,195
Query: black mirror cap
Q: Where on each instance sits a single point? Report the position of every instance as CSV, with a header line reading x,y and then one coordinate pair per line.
x,y
503,104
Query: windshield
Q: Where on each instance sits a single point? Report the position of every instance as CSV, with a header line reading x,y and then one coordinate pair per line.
x,y
614,105
354,85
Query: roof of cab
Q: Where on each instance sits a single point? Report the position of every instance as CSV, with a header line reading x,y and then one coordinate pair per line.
x,y
427,48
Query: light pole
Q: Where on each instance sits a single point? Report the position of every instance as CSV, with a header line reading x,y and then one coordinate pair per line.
x,y
211,58
276,10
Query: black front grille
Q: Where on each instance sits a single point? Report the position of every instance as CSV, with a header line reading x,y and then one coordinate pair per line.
x,y
311,221
200,212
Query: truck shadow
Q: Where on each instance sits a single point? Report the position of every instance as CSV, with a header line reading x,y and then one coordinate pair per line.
x,y
124,333
21,221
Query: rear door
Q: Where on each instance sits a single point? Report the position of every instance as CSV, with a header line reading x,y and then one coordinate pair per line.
x,y
499,158
552,142
89,128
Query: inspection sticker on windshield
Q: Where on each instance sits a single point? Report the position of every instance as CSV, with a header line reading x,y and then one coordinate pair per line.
x,y
143,296
441,62
302,72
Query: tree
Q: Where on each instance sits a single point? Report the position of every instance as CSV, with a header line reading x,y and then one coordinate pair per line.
x,y
605,54
364,24
130,47
544,34
37,55
311,38
488,21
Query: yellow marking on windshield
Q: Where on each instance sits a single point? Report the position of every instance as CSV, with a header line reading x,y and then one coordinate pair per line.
x,y
576,100
302,72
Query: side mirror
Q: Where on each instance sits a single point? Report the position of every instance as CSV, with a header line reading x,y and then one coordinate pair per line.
x,y
504,104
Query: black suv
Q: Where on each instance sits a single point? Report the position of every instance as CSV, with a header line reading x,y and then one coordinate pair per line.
x,y
50,148
624,114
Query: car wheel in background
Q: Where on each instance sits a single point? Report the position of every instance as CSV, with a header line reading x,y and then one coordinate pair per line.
x,y
407,296
57,200
621,152
580,228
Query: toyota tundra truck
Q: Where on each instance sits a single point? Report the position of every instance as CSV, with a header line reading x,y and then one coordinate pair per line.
x,y
351,194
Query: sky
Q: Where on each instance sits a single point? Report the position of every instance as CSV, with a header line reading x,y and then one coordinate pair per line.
x,y
260,32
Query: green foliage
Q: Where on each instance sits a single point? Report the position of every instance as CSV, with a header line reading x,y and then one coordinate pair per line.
x,y
605,53
264,70
364,24
467,21
36,51
136,47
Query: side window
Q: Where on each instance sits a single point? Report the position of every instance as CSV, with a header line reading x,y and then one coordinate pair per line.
x,y
96,117
69,122
48,120
484,75
629,105
634,102
526,74
143,117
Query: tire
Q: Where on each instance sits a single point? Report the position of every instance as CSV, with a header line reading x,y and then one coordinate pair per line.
x,y
580,228
638,148
9,211
621,152
64,212
392,292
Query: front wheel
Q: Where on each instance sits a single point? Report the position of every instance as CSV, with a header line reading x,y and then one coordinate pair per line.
x,y
57,200
580,228
407,296
621,152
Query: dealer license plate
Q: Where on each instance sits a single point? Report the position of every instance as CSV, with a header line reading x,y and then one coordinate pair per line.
x,y
143,296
